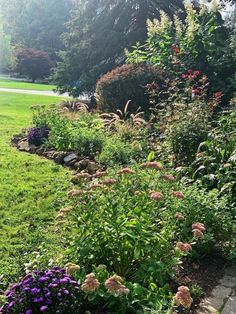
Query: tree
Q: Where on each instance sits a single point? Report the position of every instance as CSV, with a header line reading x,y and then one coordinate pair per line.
x,y
98,33
6,53
36,23
32,63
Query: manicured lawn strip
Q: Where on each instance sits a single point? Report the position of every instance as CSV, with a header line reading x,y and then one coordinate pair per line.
x,y
32,189
6,82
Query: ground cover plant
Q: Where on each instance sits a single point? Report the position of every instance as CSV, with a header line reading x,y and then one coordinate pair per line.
x,y
31,189
108,141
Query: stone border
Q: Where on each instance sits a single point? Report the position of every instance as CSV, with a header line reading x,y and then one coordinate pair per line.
x,y
223,296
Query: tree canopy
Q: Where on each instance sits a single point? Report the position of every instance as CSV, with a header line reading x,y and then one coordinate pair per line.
x,y
36,23
98,33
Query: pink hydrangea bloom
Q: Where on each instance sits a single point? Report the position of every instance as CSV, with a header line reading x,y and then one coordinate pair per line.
x,y
183,297
184,247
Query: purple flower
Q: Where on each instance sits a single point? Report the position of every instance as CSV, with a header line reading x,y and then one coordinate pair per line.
x,y
35,291
43,308
29,311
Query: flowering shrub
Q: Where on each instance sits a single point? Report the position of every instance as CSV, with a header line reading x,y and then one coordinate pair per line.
x,y
133,224
38,136
50,291
202,43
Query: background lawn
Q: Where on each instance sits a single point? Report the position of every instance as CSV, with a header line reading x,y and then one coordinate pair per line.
x,y
32,190
7,82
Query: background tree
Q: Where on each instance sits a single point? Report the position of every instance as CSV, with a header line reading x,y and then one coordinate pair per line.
x,y
32,63
36,23
6,53
98,33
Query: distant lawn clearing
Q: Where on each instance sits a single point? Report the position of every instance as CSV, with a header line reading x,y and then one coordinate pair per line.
x,y
7,82
32,190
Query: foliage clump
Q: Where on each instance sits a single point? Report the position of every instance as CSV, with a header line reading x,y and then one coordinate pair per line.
x,y
127,83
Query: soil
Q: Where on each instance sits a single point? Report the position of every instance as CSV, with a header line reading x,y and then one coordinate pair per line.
x,y
206,273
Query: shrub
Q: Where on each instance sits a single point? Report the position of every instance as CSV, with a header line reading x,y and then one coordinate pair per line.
x,y
128,222
215,161
51,291
185,137
204,42
37,136
126,83
32,63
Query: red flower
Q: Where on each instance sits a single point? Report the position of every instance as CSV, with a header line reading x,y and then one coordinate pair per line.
x,y
190,71
197,72
175,48
196,91
218,95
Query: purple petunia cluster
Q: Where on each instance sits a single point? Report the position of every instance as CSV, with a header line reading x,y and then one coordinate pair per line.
x,y
49,291
37,136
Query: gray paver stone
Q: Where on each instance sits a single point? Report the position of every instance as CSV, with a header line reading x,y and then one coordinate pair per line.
x,y
221,292
230,306
228,281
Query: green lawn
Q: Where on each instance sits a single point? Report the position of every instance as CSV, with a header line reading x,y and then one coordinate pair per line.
x,y
6,82
32,190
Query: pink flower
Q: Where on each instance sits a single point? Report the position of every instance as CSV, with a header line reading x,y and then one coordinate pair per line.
x,y
190,71
198,234
184,76
197,72
90,284
183,297
199,226
153,164
109,181
168,177
179,216
75,193
218,95
126,170
184,247
196,91
123,291
177,194
82,175
114,283
200,154
156,196
99,174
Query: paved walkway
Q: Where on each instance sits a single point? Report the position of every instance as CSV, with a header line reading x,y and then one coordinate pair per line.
x,y
33,92
223,296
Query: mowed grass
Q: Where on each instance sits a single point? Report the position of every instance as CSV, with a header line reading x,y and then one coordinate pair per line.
x,y
32,190
6,82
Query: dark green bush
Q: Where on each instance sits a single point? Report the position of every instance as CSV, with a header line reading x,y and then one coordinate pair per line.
x,y
126,83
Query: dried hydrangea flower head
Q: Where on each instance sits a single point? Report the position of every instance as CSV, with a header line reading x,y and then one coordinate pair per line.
x,y
90,284
114,283
177,194
179,216
156,196
184,247
168,177
183,297
153,164
126,171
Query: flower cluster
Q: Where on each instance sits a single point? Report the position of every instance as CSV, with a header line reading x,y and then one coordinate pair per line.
x,y
152,164
37,136
184,247
114,285
183,297
90,284
50,291
198,230
198,82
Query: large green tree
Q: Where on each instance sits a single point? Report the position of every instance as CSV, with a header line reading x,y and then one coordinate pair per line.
x,y
36,23
98,33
